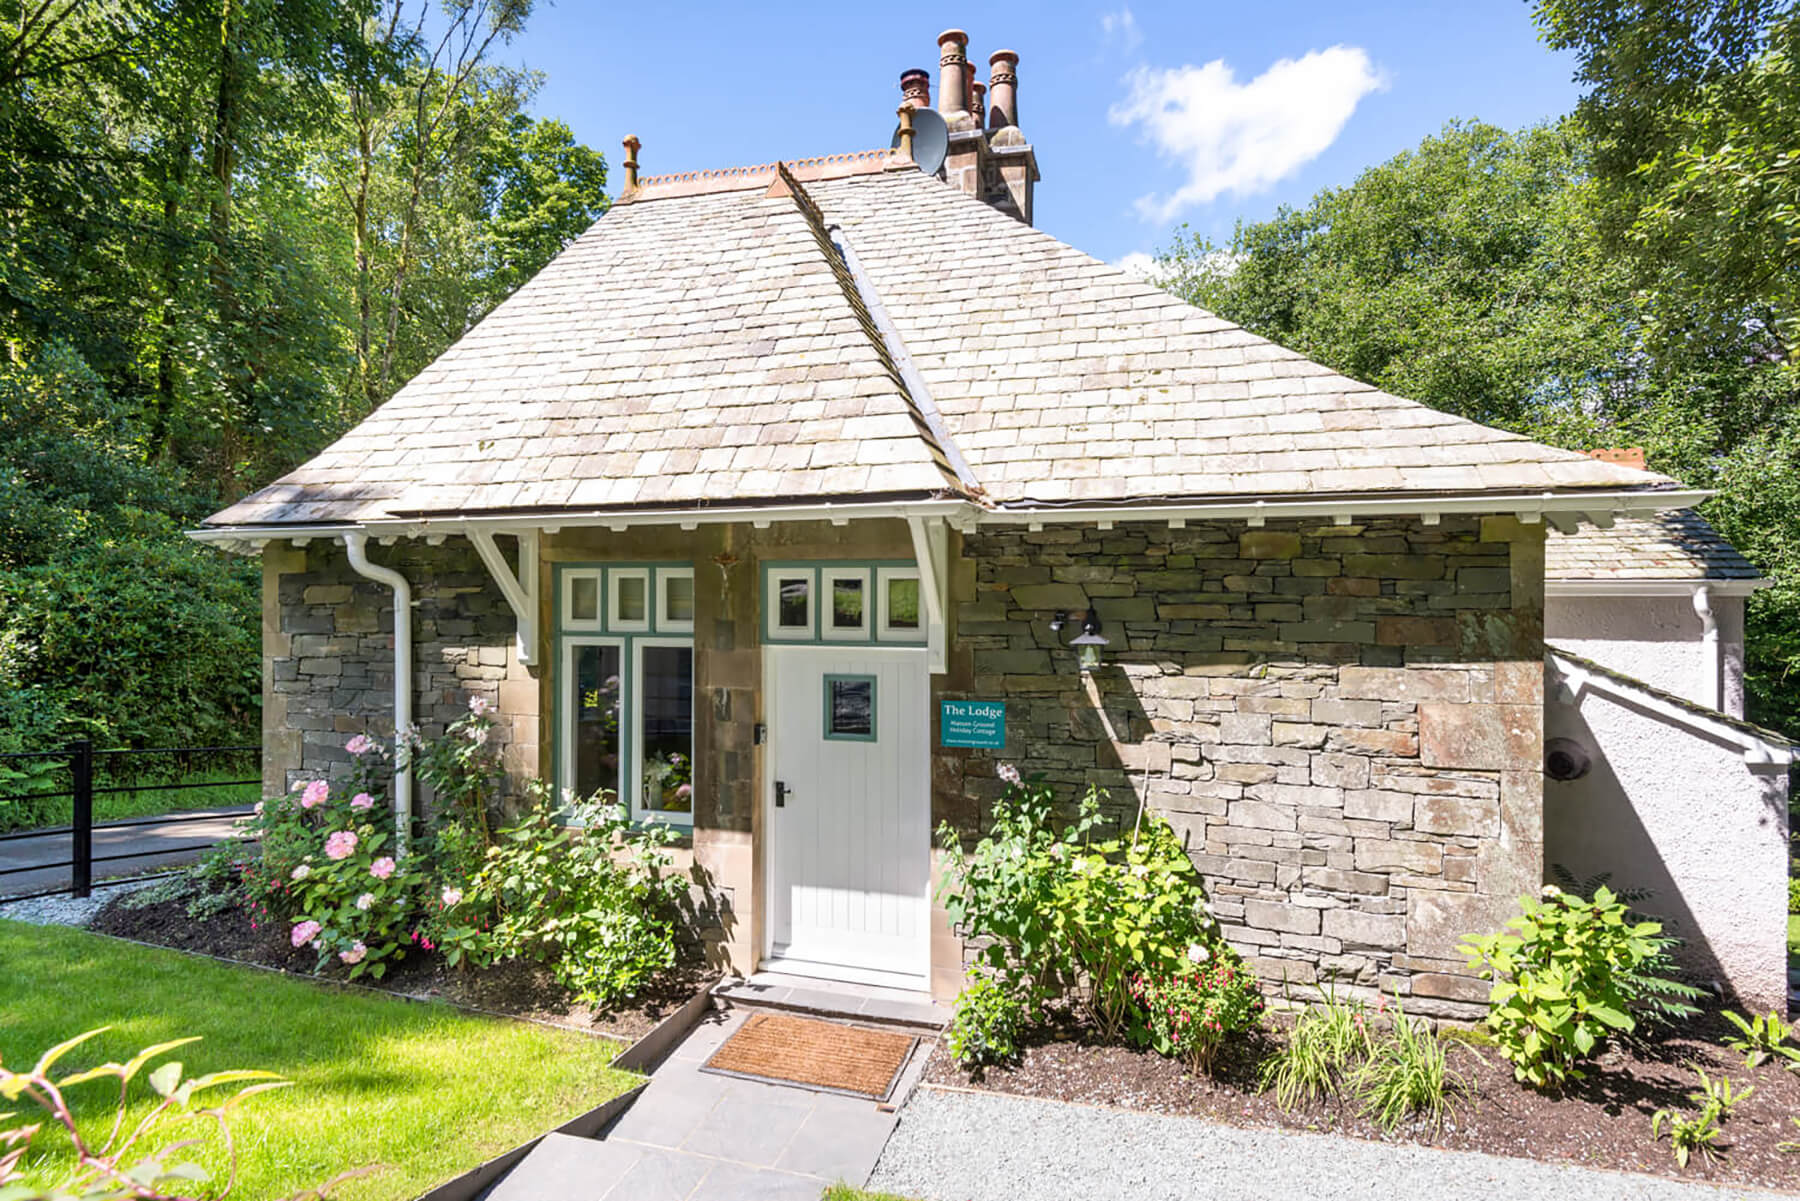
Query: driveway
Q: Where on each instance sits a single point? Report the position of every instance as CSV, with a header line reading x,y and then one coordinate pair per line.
x,y
153,844
974,1146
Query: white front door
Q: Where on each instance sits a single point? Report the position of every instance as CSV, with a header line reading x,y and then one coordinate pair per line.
x,y
849,813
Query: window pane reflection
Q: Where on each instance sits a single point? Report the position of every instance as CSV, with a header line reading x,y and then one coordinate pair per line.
x,y
666,695
596,707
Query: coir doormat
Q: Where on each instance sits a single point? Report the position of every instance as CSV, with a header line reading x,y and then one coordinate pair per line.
x,y
822,1055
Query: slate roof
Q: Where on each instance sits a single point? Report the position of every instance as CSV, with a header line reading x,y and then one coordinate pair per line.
x,y
1676,545
702,343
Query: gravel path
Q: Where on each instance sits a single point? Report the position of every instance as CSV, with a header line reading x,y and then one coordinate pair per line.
x,y
67,910
956,1146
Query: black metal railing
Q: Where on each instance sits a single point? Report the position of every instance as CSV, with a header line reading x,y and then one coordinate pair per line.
x,y
90,773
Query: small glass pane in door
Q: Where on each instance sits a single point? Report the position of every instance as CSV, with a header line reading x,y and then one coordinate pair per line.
x,y
596,709
667,751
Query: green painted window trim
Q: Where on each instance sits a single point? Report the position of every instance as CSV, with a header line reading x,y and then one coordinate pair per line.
x,y
629,684
832,678
820,568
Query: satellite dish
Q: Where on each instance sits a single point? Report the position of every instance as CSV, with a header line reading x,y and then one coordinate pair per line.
x,y
931,140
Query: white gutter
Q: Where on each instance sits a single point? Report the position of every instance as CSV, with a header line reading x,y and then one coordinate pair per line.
x,y
1670,587
1712,683
1529,507
356,545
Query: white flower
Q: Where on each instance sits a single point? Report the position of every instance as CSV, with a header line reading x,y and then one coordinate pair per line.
x,y
452,896
478,735
366,902
479,705
1551,890
1198,954
1008,772
1140,870
300,873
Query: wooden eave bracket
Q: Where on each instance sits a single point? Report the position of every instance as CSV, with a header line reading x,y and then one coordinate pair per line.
x,y
520,591
931,550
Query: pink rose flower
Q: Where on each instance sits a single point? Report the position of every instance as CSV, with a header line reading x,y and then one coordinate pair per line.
x,y
354,954
382,868
341,845
452,896
362,744
315,794
305,932
478,735
366,902
479,705
362,800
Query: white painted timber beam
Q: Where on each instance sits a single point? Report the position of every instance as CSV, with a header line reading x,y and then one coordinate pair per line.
x,y
931,550
520,591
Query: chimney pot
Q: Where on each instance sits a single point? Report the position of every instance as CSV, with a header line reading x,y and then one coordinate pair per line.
x,y
905,113
1003,83
915,88
978,107
631,165
953,76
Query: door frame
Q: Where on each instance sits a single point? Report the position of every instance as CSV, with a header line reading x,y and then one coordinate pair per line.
x,y
916,981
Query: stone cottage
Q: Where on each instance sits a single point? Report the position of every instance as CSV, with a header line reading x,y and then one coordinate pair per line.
x,y
839,480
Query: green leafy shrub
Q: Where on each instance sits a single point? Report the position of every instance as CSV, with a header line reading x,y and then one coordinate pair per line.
x,y
464,773
596,904
1193,1011
1762,1038
1063,915
1406,1073
985,1030
1566,980
1793,895
1326,1043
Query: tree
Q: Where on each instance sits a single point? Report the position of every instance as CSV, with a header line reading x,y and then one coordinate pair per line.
x,y
1476,274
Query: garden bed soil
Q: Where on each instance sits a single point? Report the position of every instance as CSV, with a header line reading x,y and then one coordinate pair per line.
x,y
1604,1122
523,990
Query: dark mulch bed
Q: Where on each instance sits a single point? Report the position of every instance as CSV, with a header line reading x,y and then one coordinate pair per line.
x,y
516,989
1604,1123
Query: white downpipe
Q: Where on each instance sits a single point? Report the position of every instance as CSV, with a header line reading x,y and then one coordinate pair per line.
x,y
356,545
1713,686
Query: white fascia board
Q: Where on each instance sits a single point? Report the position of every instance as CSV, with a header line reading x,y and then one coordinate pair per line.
x,y
1758,752
708,515
1529,506
1635,587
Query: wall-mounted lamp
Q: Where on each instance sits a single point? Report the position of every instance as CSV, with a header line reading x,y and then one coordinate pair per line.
x,y
1087,644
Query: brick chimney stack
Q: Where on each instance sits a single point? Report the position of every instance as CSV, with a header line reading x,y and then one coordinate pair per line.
x,y
996,163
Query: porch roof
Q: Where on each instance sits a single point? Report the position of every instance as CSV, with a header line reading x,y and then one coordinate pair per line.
x,y
1678,545
873,334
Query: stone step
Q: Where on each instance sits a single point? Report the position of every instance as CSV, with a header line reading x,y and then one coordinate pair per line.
x,y
913,1014
563,1165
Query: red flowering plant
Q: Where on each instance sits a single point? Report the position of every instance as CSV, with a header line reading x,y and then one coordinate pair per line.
x,y
1193,1010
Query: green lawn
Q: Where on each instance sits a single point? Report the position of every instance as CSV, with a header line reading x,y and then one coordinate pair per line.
x,y
422,1088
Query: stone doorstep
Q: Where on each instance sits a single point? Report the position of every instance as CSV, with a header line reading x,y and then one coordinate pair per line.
x,y
865,1005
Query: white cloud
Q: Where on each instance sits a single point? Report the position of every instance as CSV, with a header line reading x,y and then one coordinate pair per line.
x,y
1137,263
1121,27
1243,138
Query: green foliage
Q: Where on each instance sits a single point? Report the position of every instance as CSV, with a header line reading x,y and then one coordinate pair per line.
x,y
985,1030
1406,1073
1561,984
1761,1039
1328,1041
1793,895
1700,1132
464,772
594,901
1658,996
131,1159
1491,274
1064,915
1195,1010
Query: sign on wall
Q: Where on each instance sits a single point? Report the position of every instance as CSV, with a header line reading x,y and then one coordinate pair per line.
x,y
980,724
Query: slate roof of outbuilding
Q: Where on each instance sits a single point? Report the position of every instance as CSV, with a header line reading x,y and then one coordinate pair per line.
x,y
701,344
1676,545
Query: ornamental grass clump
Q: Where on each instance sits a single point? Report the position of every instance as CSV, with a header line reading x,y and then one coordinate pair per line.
x,y
1406,1073
1325,1045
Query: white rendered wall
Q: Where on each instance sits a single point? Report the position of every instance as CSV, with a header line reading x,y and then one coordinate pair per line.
x,y
1656,639
1675,810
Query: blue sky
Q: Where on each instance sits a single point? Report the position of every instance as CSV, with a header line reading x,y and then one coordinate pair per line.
x,y
1144,116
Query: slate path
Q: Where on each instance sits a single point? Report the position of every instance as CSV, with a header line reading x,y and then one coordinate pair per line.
x,y
696,1136
987,1147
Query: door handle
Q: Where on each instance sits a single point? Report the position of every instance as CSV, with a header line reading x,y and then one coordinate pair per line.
x,y
781,795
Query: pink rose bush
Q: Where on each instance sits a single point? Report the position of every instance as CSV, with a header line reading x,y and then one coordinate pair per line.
x,y
362,800
341,844
305,932
315,794
382,868
362,744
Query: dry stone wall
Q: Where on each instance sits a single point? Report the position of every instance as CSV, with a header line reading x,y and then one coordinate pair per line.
x,y
1343,722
